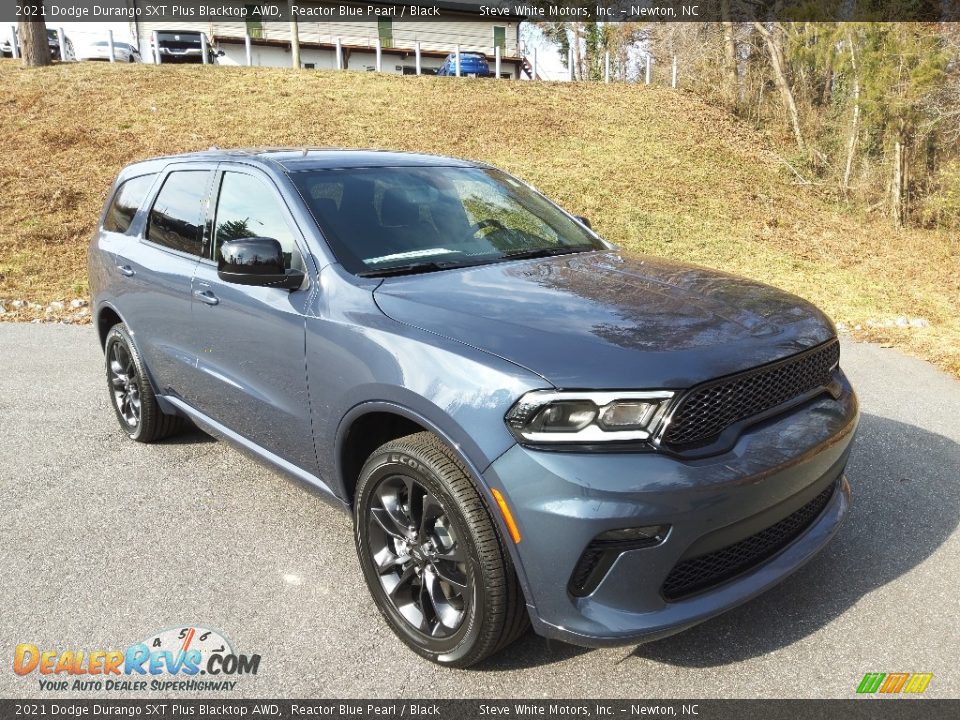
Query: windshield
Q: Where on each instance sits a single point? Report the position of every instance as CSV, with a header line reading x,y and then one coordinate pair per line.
x,y
433,218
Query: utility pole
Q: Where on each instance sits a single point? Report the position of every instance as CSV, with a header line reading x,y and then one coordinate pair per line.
x,y
295,42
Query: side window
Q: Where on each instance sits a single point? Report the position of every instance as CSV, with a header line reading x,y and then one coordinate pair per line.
x,y
247,208
127,200
176,220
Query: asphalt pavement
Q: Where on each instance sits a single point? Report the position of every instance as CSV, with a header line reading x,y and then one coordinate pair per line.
x,y
104,542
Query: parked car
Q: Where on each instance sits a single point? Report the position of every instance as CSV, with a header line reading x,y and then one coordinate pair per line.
x,y
183,46
53,42
100,50
471,64
527,425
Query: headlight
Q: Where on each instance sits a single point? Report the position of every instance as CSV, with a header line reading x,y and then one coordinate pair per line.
x,y
549,416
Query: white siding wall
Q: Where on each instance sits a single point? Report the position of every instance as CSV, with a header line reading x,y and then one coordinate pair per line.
x,y
438,36
471,35
269,56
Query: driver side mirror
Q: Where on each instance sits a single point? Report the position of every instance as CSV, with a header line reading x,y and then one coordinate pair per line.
x,y
584,220
256,261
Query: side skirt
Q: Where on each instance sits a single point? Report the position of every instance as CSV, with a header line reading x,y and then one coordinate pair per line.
x,y
261,454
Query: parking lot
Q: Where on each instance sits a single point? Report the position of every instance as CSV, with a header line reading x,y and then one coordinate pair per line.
x,y
104,542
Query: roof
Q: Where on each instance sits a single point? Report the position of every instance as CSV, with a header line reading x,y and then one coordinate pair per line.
x,y
296,159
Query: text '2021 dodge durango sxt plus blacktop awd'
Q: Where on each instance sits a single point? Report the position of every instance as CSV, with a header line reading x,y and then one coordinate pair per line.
x,y
527,426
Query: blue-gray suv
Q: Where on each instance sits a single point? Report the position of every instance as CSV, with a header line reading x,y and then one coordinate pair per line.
x,y
528,426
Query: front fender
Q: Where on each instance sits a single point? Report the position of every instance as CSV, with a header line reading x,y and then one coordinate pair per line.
x,y
461,444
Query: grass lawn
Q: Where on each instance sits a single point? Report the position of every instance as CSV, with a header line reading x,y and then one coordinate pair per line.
x,y
656,170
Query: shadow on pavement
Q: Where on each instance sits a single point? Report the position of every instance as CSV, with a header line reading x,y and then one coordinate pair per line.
x,y
905,498
906,504
191,435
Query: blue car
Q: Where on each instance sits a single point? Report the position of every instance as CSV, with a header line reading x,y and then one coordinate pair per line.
x,y
471,64
527,426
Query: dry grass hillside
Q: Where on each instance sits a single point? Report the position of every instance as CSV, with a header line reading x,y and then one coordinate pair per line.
x,y
656,170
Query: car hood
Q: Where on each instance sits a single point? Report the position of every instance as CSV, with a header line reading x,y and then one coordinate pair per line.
x,y
604,320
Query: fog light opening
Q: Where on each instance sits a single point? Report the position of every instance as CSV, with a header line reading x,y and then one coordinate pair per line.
x,y
600,555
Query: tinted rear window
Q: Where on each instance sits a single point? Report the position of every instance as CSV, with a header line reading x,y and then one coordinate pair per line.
x,y
176,220
127,200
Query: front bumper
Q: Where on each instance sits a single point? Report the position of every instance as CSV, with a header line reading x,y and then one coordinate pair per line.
x,y
563,500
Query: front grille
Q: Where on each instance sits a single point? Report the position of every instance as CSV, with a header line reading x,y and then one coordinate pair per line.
x,y
709,409
700,573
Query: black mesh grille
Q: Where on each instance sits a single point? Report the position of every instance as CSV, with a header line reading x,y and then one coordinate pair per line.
x,y
708,409
700,573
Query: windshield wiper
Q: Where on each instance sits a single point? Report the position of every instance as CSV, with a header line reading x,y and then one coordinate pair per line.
x,y
545,252
413,268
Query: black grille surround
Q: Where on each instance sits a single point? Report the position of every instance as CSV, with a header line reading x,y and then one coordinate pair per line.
x,y
689,577
706,410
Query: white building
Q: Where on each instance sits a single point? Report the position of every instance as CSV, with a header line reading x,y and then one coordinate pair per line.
x,y
270,42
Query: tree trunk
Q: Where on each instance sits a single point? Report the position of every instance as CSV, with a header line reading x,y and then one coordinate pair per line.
x,y
855,122
732,91
33,40
580,53
896,186
780,78
827,92
730,65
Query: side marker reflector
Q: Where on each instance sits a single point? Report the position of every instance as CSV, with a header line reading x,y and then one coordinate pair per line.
x,y
507,515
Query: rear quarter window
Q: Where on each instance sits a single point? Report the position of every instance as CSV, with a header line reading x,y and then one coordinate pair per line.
x,y
126,201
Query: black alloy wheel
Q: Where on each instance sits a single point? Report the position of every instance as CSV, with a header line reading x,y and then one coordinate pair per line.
x,y
432,555
125,382
419,560
131,393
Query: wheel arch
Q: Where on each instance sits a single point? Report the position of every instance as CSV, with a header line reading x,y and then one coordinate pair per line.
x,y
379,421
107,316
409,418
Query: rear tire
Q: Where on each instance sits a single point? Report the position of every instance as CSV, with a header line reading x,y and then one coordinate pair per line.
x,y
131,393
432,556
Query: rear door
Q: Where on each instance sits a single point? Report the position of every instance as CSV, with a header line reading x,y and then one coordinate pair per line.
x,y
157,300
252,357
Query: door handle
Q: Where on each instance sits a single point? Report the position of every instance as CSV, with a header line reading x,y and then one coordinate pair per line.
x,y
125,270
205,296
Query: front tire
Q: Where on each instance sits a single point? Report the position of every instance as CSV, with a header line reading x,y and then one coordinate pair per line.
x,y
431,554
131,394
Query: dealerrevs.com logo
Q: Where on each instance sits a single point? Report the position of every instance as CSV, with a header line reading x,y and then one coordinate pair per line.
x,y
184,659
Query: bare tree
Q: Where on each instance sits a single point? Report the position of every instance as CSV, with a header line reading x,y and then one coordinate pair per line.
x,y
898,184
780,78
730,55
855,121
33,38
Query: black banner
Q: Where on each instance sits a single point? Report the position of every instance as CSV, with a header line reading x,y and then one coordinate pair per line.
x,y
54,11
854,709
